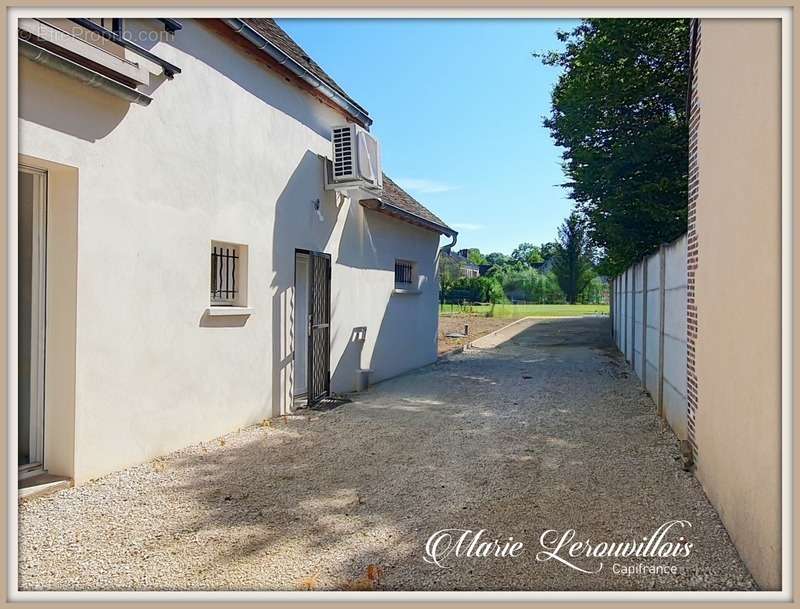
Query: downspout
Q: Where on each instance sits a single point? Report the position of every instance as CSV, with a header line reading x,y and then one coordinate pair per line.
x,y
277,54
85,75
445,249
449,246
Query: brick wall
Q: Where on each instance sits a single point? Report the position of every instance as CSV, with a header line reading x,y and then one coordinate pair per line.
x,y
693,247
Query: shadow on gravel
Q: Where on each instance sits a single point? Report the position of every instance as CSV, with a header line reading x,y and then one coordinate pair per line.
x,y
530,436
533,435
590,331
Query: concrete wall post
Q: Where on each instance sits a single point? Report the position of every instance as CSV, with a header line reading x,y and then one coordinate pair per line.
x,y
611,292
625,317
634,282
644,323
662,293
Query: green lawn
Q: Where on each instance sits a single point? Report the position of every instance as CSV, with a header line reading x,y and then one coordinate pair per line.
x,y
513,311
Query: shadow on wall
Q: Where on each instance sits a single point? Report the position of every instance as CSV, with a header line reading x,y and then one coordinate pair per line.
x,y
298,225
90,114
352,359
57,101
371,241
224,321
358,248
406,338
205,43
361,305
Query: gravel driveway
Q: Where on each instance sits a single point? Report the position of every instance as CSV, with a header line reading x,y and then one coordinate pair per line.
x,y
546,431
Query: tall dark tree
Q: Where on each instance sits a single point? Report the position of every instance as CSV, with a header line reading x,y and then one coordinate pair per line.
x,y
619,112
573,258
548,249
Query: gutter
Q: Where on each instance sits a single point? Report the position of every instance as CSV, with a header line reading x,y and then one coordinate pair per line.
x,y
448,247
279,55
89,77
380,205
170,70
171,25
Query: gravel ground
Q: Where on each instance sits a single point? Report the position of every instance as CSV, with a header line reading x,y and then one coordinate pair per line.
x,y
479,325
546,431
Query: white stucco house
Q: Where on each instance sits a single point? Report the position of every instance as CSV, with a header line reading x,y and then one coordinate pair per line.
x,y
191,258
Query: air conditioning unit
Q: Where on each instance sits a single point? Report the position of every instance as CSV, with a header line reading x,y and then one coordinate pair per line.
x,y
356,159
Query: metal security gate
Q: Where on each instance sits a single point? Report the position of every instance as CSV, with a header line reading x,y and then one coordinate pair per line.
x,y
319,327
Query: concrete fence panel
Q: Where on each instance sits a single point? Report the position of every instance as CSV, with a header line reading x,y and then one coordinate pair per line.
x,y
649,317
674,391
652,369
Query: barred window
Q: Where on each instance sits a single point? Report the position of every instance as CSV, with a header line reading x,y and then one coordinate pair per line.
x,y
225,274
403,273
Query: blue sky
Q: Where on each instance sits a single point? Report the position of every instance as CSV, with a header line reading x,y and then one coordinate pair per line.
x,y
458,107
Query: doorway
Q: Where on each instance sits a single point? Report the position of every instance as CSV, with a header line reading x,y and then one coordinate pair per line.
x,y
312,326
300,326
32,256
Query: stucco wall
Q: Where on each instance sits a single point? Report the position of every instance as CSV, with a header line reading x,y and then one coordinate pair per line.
x,y
226,151
737,287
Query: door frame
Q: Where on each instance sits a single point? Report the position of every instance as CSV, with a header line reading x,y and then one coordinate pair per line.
x,y
312,255
298,338
38,320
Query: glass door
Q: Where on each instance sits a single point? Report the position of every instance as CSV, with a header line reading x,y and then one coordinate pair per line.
x,y
32,243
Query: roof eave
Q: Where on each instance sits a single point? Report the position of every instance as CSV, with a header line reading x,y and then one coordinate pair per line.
x,y
407,216
279,55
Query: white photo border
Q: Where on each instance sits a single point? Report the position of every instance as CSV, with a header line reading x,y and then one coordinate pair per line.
x,y
784,14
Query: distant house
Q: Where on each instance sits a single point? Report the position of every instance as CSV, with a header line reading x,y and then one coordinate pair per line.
x,y
546,266
456,265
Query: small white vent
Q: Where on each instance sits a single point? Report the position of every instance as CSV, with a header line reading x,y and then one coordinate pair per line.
x,y
356,158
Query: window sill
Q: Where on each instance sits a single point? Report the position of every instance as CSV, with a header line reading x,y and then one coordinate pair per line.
x,y
218,311
406,291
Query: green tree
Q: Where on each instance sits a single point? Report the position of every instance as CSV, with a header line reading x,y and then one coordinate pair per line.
x,y
496,258
619,112
548,249
474,289
573,258
474,255
525,284
596,292
527,253
493,290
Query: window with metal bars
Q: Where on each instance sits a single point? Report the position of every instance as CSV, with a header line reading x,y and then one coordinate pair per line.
x,y
225,272
403,273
